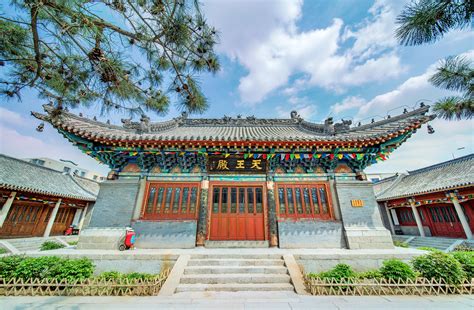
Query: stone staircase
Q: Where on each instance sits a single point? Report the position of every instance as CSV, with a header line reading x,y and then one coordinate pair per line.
x,y
442,244
235,272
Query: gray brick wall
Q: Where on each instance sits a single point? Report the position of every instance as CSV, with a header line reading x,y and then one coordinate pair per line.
x,y
165,234
115,203
363,226
310,234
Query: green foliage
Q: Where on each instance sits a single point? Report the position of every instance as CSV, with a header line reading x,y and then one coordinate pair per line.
x,y
439,265
3,251
51,245
427,248
466,259
426,21
340,271
400,244
122,55
396,269
72,242
109,275
8,265
22,267
371,274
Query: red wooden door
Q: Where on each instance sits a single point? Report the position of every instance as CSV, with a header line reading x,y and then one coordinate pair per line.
x,y
237,213
445,222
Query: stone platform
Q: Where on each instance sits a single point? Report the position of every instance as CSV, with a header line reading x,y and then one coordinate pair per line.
x,y
310,260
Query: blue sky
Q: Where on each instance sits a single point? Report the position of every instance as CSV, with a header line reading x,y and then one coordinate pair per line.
x,y
321,58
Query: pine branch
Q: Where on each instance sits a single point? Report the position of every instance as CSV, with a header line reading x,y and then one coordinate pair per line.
x,y
451,108
455,73
426,21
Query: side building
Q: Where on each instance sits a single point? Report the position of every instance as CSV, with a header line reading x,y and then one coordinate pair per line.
x,y
67,167
37,201
237,181
433,201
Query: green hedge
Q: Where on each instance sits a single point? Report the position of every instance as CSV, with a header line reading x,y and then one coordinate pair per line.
x,y
396,269
51,245
466,259
109,275
439,265
46,267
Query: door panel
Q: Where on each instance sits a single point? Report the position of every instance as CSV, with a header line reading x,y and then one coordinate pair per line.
x,y
237,213
445,222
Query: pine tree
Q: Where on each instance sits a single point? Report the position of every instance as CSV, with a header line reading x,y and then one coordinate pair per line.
x,y
121,54
427,21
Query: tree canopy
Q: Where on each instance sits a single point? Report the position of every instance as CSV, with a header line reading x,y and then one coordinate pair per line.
x,y
132,55
426,21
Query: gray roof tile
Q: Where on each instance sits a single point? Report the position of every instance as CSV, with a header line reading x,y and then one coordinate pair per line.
x,y
19,175
452,174
234,129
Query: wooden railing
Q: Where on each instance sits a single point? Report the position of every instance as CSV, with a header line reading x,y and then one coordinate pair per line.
x,y
367,287
87,287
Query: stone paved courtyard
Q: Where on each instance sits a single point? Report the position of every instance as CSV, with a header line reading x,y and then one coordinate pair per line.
x,y
230,301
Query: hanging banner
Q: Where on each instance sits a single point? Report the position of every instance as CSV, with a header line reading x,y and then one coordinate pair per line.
x,y
236,164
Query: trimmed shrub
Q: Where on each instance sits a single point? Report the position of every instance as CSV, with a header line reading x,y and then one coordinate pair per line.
x,y
340,271
109,275
439,265
400,244
371,274
51,245
396,269
8,265
72,242
22,267
467,262
138,275
72,269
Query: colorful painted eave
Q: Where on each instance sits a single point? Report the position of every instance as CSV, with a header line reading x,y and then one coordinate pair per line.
x,y
236,132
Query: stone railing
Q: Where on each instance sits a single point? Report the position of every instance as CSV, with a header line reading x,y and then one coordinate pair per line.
x,y
367,287
86,287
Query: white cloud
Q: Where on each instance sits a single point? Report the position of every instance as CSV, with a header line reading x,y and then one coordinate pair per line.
x,y
52,145
10,117
303,105
347,104
266,41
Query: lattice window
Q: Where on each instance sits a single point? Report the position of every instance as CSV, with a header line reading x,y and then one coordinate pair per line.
x,y
303,201
165,201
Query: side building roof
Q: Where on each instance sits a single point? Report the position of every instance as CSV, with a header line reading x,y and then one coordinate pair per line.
x,y
19,175
447,175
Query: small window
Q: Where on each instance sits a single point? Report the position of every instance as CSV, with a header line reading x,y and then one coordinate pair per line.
x,y
83,174
67,169
95,178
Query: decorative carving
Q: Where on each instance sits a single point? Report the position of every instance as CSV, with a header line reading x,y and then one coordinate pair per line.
x,y
131,168
329,126
344,126
294,115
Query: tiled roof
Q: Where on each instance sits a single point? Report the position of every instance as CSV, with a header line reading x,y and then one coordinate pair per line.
x,y
235,129
19,175
452,174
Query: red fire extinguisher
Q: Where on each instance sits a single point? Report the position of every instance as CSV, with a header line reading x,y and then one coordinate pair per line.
x,y
129,239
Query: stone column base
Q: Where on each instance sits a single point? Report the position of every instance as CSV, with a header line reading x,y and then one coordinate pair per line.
x,y
368,238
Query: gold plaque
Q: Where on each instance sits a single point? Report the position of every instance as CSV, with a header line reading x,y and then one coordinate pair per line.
x,y
357,203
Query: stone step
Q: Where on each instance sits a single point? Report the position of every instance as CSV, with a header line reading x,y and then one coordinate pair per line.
x,y
236,262
235,269
234,278
237,244
237,256
235,287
